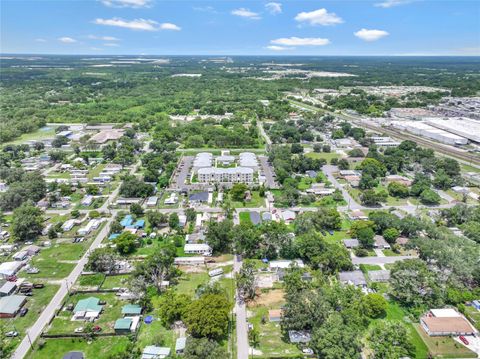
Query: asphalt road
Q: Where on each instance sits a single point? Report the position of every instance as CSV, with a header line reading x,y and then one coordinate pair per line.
x,y
379,260
36,329
241,313
268,170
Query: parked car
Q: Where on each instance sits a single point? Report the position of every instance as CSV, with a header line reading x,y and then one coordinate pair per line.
x,y
28,294
97,329
23,312
307,351
11,334
464,340
331,232
78,330
102,302
32,270
12,278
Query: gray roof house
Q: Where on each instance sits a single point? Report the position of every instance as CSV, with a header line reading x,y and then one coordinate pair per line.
x,y
355,278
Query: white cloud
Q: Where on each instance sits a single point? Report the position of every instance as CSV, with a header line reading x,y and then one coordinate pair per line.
x,y
391,3
40,40
209,9
169,26
137,24
301,41
127,3
103,38
370,35
279,48
242,12
319,17
274,8
111,44
67,40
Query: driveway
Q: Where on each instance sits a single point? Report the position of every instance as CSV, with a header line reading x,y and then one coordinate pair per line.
x,y
473,343
241,313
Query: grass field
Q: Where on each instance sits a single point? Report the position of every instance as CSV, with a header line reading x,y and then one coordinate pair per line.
x,y
245,217
325,155
189,282
99,348
256,202
40,134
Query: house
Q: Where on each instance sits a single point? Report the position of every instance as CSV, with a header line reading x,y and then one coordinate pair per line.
x,y
8,288
255,218
358,215
356,278
127,221
311,174
32,249
172,199
288,216
381,276
87,200
154,352
189,261
353,181
380,242
351,243
344,173
68,225
446,322
20,256
8,269
131,309
399,179
199,197
182,220
284,264
123,326
139,224
87,309
195,237
198,248
152,201
180,344
275,315
402,241
11,305
74,355
299,336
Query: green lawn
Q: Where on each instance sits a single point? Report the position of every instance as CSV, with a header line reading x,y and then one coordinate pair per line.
x,y
272,343
155,333
256,202
115,281
245,217
100,348
325,155
40,134
189,282
369,267
95,172
93,280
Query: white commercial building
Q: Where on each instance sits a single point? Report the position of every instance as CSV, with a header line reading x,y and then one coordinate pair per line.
x,y
425,130
235,174
460,126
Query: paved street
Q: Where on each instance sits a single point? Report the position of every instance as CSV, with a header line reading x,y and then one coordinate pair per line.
x,y
329,170
268,171
241,314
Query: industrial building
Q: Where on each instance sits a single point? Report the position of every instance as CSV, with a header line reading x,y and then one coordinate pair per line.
x,y
428,131
460,126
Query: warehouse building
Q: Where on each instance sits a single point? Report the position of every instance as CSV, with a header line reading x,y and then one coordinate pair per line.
x,y
427,131
460,126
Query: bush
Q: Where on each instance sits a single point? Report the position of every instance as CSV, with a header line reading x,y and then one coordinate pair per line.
x,y
361,252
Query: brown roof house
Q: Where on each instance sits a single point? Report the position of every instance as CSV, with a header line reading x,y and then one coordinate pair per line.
x,y
446,322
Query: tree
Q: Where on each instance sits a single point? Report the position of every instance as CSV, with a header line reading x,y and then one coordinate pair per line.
x,y
102,260
136,209
172,306
413,284
296,148
358,225
92,189
367,181
237,192
126,243
396,189
442,180
343,164
390,339
371,198
52,233
471,229
156,219
173,221
390,235
208,316
219,235
374,305
430,197
246,280
326,148
334,339
246,238
365,237
190,214
356,152
203,348
27,222
132,187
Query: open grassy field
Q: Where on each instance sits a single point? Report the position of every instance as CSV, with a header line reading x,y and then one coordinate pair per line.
x,y
256,202
328,156
99,348
40,134
244,217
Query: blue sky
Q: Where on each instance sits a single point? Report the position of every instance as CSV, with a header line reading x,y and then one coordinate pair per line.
x,y
155,27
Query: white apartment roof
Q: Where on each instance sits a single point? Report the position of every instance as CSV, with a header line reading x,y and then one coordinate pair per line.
x,y
445,313
232,170
248,159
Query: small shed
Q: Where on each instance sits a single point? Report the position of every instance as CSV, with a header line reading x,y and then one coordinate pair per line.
x,y
154,352
351,243
123,325
11,305
131,309
8,288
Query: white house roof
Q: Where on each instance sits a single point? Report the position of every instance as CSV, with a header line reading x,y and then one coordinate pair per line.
x,y
445,313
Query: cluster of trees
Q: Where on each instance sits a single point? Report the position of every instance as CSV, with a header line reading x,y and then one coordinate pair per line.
x,y
133,187
123,151
22,187
160,163
338,319
465,217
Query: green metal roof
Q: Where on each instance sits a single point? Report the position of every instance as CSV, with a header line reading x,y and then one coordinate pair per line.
x,y
131,309
11,304
123,324
88,305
